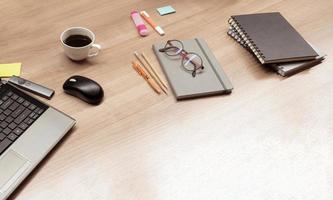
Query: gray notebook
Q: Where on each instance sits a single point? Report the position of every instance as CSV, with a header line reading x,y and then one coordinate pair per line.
x,y
212,81
271,38
284,69
288,69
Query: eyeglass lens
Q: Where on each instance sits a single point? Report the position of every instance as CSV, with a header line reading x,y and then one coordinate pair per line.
x,y
192,62
173,47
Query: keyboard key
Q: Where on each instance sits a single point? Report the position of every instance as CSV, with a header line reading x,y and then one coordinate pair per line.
x,y
23,126
35,116
17,131
26,104
32,114
12,136
15,96
1,102
2,117
3,124
28,121
17,111
22,116
7,131
12,125
10,93
2,136
4,144
7,112
6,104
20,100
14,106
32,107
9,119
5,98
40,111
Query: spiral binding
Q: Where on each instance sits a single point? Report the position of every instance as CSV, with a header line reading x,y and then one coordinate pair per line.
x,y
233,33
246,38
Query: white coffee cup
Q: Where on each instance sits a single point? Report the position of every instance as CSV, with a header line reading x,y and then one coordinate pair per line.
x,y
82,52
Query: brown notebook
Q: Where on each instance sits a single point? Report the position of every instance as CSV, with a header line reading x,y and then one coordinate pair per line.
x,y
271,38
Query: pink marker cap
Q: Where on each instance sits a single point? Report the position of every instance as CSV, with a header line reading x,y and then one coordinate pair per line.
x,y
143,31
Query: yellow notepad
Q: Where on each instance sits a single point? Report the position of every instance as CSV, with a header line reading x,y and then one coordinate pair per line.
x,y
10,69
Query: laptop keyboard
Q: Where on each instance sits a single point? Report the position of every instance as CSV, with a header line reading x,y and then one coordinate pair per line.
x,y
18,111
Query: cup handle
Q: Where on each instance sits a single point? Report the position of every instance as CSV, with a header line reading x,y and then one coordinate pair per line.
x,y
95,49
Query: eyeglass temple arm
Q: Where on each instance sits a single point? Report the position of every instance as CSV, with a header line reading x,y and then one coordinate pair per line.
x,y
166,48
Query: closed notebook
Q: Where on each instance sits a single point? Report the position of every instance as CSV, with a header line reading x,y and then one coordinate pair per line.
x,y
271,38
288,69
212,81
283,69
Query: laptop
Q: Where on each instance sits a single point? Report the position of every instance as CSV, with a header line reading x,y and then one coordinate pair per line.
x,y
29,129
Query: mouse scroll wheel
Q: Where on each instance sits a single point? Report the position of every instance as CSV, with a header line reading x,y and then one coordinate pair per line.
x,y
73,80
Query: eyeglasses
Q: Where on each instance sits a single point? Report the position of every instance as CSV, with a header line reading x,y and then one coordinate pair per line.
x,y
191,61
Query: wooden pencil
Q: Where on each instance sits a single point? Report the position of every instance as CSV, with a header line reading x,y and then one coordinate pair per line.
x,y
160,84
154,71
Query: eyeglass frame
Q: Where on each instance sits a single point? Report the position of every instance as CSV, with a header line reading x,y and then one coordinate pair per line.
x,y
183,53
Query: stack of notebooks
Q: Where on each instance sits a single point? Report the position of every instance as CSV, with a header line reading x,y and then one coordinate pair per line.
x,y
274,42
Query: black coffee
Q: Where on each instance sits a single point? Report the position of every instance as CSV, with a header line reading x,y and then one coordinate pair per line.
x,y
77,40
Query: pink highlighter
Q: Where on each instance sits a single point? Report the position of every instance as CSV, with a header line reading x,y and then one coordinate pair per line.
x,y
142,29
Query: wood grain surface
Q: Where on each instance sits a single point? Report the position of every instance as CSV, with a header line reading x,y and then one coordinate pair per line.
x,y
271,139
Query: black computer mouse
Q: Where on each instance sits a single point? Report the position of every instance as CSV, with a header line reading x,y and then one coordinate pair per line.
x,y
85,89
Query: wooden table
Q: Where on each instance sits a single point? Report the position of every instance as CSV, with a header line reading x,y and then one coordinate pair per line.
x,y
270,139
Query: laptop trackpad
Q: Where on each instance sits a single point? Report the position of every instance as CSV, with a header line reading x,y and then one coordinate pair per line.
x,y
12,166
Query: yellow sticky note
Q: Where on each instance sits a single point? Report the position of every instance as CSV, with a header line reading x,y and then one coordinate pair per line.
x,y
11,69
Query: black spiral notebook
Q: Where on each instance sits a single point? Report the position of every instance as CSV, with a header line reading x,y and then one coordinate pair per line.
x,y
271,38
283,69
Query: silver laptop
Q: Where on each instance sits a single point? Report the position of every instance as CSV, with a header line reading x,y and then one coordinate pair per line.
x,y
29,129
